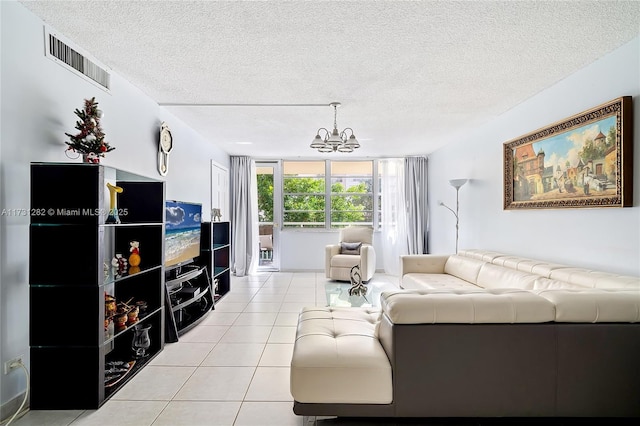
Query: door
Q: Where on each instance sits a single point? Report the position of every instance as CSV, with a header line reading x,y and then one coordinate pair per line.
x,y
269,214
220,191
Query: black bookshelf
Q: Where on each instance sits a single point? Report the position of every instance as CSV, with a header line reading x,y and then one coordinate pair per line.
x,y
215,251
75,347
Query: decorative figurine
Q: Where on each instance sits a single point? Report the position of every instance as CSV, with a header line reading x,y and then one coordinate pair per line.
x,y
357,287
132,315
134,257
120,263
113,210
216,215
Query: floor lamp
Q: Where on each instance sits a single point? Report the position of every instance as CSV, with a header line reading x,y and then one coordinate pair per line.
x,y
457,184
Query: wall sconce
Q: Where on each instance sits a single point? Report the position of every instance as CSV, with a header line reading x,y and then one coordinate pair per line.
x,y
457,184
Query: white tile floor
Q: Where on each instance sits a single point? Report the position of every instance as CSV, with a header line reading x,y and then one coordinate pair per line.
x,y
232,369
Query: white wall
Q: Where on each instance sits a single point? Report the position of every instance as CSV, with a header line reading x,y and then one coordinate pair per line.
x,y
304,250
605,239
38,98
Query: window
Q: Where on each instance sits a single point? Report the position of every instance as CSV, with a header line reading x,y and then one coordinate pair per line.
x,y
351,193
334,194
303,192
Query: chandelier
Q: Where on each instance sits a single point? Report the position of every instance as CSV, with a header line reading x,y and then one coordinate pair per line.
x,y
335,141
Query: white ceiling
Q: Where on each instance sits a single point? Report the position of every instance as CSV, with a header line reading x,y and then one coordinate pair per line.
x,y
409,75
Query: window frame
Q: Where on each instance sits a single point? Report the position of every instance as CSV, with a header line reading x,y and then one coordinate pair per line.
x,y
328,194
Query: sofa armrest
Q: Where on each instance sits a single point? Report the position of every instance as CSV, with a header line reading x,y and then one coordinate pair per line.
x,y
367,262
422,263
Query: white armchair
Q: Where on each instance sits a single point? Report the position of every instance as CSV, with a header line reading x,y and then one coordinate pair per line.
x,y
338,260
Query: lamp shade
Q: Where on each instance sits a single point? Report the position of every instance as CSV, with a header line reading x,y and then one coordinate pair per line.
x,y
457,183
317,142
352,142
334,138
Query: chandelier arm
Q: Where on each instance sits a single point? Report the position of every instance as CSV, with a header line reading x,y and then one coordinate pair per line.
x,y
343,134
326,133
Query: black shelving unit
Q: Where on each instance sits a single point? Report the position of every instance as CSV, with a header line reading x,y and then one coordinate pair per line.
x,y
215,250
75,349
189,294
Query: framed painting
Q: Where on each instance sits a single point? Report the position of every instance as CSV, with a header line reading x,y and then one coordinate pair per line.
x,y
583,161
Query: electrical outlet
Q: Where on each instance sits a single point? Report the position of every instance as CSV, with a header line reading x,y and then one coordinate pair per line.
x,y
12,364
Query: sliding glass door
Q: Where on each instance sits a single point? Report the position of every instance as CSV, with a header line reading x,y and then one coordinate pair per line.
x,y
269,214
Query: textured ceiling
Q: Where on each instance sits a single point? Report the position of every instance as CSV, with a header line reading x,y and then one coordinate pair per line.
x,y
409,75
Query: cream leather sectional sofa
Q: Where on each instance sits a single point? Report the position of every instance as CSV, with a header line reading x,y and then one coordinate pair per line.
x,y
477,334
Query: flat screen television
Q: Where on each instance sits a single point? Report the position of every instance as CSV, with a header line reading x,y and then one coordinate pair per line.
x,y
182,232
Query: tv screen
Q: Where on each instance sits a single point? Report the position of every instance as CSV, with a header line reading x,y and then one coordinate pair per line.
x,y
182,232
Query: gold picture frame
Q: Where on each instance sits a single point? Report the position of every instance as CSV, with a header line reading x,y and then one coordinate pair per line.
x,y
583,161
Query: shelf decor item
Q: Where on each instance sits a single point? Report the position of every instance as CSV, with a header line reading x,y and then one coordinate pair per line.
x,y
134,257
141,341
357,286
120,265
583,161
113,208
89,142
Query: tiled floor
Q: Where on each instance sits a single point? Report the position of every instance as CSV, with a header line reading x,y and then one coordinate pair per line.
x,y
232,369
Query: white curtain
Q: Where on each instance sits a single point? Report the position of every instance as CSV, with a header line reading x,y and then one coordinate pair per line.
x,y
415,175
244,216
394,212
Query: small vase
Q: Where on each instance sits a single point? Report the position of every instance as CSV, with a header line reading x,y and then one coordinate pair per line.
x,y
141,341
90,158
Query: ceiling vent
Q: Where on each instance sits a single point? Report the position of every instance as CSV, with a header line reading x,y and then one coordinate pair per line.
x,y
59,51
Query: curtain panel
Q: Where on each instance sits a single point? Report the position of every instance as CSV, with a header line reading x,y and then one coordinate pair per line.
x,y
394,214
244,216
415,175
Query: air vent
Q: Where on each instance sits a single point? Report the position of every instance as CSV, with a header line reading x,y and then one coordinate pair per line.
x,y
59,51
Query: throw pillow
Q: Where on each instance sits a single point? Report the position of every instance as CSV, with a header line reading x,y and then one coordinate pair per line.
x,y
350,248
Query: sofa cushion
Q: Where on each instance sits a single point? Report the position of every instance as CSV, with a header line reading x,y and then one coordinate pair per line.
x,y
416,281
337,358
344,261
494,276
350,248
466,306
595,279
465,268
549,284
356,234
484,255
523,264
594,305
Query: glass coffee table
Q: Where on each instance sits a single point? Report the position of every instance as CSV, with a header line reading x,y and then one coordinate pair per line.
x,y
337,292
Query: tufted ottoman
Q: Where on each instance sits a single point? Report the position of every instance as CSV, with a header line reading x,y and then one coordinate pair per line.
x,y
337,358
